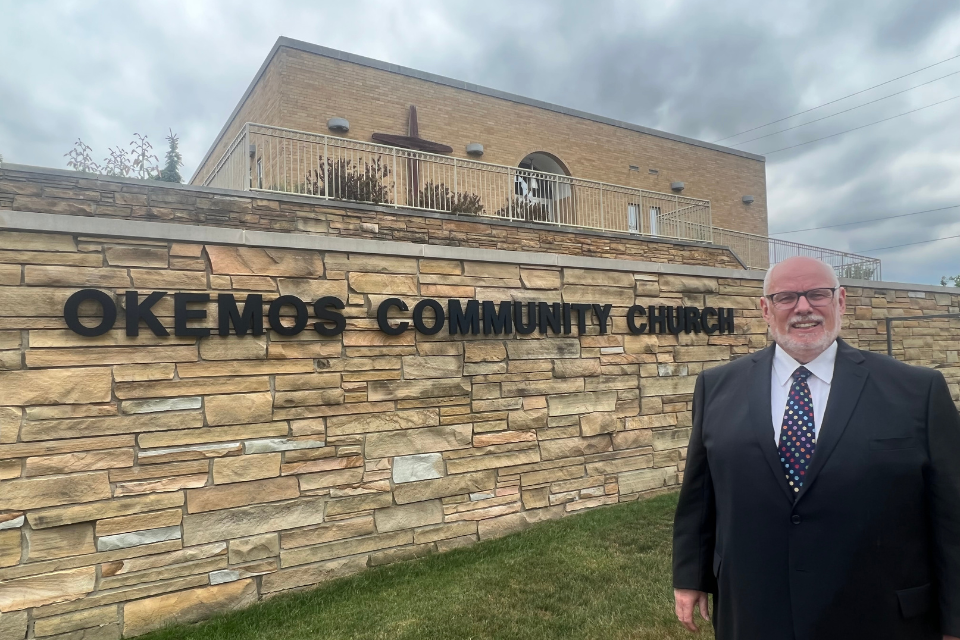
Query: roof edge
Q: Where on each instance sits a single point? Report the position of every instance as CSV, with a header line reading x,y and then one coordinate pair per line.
x,y
236,109
345,56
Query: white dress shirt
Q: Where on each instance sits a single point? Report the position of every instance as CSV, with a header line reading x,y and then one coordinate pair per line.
x,y
781,379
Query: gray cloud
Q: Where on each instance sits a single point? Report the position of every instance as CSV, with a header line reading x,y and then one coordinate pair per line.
x,y
102,71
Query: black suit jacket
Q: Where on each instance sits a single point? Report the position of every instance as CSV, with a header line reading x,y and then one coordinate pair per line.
x,y
870,548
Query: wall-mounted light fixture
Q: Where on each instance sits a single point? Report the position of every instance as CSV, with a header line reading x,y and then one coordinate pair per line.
x,y
747,199
340,125
253,151
474,149
677,186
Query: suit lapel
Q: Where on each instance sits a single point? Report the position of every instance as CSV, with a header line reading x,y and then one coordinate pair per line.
x,y
761,414
849,376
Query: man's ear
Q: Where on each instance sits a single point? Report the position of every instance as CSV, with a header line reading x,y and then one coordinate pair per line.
x,y
765,309
842,295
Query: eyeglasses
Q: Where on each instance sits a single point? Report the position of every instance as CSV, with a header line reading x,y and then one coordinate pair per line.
x,y
820,297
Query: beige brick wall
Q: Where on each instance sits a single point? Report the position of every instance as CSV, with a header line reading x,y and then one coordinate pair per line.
x,y
70,193
313,88
147,480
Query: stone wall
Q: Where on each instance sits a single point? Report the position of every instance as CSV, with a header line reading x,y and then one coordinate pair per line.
x,y
146,480
301,90
70,193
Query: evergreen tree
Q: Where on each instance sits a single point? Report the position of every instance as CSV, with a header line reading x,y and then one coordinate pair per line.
x,y
173,160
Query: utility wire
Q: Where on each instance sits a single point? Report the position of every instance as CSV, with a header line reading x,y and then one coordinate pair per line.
x,y
737,144
844,224
793,146
908,244
800,113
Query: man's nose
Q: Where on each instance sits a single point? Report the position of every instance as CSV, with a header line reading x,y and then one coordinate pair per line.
x,y
803,306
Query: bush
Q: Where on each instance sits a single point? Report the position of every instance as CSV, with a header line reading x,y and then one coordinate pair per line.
x,y
523,209
339,179
439,197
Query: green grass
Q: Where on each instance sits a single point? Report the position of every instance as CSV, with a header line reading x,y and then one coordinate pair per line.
x,y
604,574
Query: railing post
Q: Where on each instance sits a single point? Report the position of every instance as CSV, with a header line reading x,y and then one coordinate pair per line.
x,y
396,202
601,208
454,179
326,171
248,183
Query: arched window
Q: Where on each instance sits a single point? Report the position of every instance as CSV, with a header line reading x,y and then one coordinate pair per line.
x,y
545,162
541,196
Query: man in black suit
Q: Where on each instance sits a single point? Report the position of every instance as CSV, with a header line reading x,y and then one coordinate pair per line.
x,y
821,494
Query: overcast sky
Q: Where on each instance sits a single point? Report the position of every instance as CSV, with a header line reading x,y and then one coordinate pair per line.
x,y
705,69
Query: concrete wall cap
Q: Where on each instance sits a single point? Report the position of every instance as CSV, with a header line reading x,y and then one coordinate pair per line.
x,y
55,223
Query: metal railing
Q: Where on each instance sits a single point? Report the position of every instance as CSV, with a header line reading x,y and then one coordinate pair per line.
x,y
266,158
760,252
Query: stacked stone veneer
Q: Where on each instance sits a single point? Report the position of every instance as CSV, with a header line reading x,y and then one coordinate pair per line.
x,y
150,480
70,193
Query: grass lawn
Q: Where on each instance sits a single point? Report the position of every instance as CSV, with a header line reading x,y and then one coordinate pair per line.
x,y
604,574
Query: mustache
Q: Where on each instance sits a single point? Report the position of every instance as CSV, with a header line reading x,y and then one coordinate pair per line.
x,y
806,317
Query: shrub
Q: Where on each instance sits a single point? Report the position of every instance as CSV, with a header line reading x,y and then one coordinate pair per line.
x,y
342,180
439,197
524,209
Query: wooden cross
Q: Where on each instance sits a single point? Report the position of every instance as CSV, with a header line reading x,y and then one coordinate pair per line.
x,y
415,142
412,140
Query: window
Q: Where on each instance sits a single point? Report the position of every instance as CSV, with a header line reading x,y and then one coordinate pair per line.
x,y
654,221
633,218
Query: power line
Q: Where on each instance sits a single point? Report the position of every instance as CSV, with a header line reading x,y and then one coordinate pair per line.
x,y
844,224
793,146
800,113
908,244
737,144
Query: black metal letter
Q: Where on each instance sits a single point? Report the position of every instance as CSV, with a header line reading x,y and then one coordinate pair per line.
x,y
726,320
708,328
497,321
137,311
582,311
464,322
531,326
250,320
71,312
274,314
320,310
691,319
603,312
550,315
675,320
437,313
181,313
384,323
658,320
632,313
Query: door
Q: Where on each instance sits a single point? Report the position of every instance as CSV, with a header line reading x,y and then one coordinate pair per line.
x,y
633,218
654,221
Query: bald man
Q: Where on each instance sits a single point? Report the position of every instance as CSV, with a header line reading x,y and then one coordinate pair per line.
x,y
821,495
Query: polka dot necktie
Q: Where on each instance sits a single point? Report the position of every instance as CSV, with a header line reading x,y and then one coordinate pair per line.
x,y
797,435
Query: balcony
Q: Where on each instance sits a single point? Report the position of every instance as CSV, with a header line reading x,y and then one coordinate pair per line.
x,y
272,159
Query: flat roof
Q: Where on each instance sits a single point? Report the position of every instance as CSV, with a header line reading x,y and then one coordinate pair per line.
x,y
336,54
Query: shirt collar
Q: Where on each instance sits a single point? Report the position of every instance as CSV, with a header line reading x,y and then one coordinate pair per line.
x,y
822,366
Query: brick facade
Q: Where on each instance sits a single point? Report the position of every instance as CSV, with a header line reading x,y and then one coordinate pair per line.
x,y
301,90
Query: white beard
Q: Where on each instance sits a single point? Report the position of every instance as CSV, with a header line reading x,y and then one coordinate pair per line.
x,y
792,345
